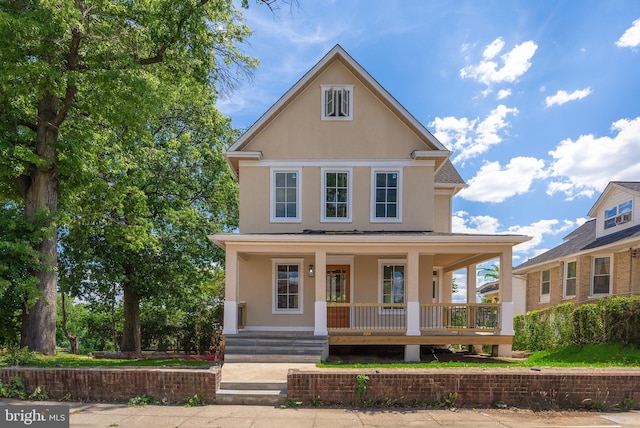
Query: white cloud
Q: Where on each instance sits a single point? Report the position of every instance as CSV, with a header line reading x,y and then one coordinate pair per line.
x,y
562,97
504,93
470,138
493,183
631,37
516,62
587,164
463,223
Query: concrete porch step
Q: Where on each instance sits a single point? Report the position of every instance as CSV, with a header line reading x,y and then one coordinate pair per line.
x,y
275,347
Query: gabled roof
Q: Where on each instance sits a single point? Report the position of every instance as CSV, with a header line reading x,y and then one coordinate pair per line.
x,y
448,176
339,54
581,240
626,186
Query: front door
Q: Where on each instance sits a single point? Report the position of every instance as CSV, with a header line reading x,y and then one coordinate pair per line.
x,y
338,292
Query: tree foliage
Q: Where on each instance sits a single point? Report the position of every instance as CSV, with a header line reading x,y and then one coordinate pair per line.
x,y
82,84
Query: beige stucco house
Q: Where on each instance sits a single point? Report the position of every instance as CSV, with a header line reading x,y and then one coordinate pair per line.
x,y
345,229
600,258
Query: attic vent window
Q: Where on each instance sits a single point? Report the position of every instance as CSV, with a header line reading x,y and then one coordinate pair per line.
x,y
337,102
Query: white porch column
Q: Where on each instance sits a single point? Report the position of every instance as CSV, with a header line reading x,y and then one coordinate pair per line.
x,y
505,295
472,281
231,292
320,328
412,352
413,293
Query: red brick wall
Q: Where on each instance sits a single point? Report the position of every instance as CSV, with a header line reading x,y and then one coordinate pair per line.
x,y
545,389
118,384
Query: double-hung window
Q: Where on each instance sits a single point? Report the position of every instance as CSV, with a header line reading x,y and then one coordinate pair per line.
x,y
286,195
287,286
392,281
545,286
601,275
337,102
618,215
386,195
570,279
336,195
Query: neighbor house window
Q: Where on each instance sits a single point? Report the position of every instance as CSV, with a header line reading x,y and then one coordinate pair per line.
x,y
287,286
285,195
601,279
392,281
337,102
545,285
618,215
386,196
570,279
336,195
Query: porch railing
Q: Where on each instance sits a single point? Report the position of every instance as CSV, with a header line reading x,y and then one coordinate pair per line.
x,y
392,317
367,317
468,317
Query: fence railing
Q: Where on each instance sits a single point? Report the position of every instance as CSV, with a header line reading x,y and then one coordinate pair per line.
x,y
392,317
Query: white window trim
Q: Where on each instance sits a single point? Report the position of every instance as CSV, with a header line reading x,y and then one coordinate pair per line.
x,y
274,286
272,196
564,280
592,272
372,209
323,204
546,297
324,88
394,262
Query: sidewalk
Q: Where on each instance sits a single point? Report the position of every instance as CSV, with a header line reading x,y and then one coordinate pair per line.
x,y
120,415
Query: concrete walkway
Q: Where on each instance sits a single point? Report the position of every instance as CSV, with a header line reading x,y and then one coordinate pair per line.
x,y
120,415
260,372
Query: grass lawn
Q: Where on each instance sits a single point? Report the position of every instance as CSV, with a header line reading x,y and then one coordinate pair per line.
x,y
70,360
600,355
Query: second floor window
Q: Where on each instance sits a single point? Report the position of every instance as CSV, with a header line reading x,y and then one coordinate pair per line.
x,y
285,196
336,199
386,196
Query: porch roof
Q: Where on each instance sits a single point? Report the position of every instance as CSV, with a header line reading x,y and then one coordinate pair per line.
x,y
367,237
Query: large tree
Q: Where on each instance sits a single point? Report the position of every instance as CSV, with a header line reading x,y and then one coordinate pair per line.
x,y
75,74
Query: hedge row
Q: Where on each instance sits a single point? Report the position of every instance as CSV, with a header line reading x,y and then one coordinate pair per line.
x,y
612,320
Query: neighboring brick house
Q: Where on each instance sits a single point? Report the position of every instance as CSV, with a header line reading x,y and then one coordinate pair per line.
x,y
345,229
600,258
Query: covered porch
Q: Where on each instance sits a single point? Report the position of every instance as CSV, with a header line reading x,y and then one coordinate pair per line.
x,y
370,289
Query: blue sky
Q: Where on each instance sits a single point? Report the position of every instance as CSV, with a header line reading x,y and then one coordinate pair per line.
x,y
538,100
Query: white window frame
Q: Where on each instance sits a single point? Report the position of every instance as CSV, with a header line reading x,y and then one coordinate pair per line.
x,y
274,290
323,201
565,277
349,102
398,218
393,262
545,297
592,275
272,196
616,211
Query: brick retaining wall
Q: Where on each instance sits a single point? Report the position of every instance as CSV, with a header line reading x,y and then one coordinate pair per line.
x,y
545,389
118,384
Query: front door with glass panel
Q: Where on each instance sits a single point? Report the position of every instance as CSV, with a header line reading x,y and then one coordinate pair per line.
x,y
338,292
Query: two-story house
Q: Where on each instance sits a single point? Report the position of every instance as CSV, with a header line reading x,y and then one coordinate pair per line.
x,y
601,258
345,229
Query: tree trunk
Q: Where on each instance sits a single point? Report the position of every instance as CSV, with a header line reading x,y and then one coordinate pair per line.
x,y
41,201
73,340
131,328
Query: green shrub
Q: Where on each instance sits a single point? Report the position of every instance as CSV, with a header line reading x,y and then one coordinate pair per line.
x,y
588,324
18,357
